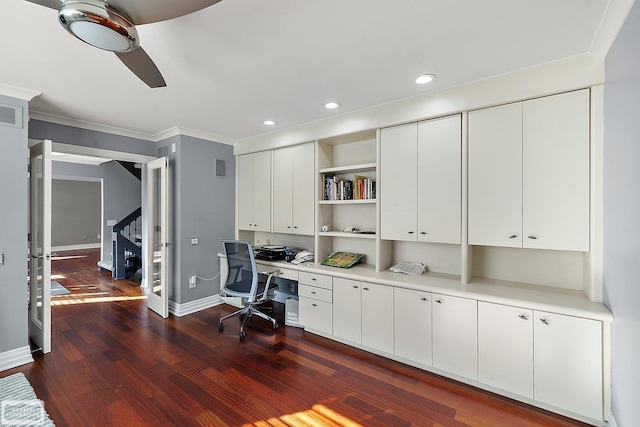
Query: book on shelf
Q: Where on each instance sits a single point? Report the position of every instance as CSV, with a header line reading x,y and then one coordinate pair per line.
x,y
339,188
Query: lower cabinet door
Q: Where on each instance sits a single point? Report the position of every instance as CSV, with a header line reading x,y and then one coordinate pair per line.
x,y
316,315
377,317
412,325
455,335
568,363
347,310
505,348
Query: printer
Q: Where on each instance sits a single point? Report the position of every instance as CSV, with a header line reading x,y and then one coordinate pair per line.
x,y
270,252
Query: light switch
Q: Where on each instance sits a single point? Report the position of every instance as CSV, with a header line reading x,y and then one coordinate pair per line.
x,y
1,258
194,241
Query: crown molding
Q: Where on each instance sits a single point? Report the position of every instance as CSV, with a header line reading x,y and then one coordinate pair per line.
x,y
160,136
18,92
610,26
178,130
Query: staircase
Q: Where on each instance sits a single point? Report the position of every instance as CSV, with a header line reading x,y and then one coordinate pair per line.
x,y
127,245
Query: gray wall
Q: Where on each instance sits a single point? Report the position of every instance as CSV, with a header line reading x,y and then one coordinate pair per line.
x,y
13,232
203,207
76,209
121,193
622,217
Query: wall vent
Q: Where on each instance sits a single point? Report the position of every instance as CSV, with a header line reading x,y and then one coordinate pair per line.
x,y
11,116
220,168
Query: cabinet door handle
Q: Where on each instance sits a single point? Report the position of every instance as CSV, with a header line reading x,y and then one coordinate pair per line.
x,y
532,237
295,226
423,232
288,226
313,292
523,317
314,304
439,301
424,299
313,278
355,287
410,232
513,236
366,289
545,321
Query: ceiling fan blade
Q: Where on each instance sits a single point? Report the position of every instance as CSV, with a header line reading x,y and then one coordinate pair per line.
x,y
53,4
142,66
148,11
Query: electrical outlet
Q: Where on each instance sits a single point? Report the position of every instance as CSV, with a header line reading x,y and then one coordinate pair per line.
x,y
192,282
195,240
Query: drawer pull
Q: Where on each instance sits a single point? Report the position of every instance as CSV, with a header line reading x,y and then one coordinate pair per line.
x,y
439,301
313,278
544,321
523,317
313,292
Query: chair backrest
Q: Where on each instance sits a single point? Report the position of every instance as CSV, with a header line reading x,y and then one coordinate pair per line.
x,y
242,278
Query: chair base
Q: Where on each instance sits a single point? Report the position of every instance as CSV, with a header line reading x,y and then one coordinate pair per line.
x,y
248,311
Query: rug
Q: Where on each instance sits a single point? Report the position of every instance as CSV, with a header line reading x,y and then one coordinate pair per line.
x,y
58,289
19,405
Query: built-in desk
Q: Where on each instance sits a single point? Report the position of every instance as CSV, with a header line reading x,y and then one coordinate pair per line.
x,y
545,346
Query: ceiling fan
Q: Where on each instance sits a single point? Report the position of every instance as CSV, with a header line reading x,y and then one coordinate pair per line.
x,y
111,26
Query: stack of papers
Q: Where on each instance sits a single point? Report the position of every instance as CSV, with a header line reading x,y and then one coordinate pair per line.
x,y
413,268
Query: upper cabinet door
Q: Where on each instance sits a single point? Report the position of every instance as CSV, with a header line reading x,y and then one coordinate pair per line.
x,y
283,190
556,172
303,189
254,191
439,180
495,176
398,182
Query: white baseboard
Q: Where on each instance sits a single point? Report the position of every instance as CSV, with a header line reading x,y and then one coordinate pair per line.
x,y
194,306
12,358
611,422
75,247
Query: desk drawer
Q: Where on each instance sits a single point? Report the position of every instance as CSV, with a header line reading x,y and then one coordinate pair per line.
x,y
319,280
317,315
285,273
316,293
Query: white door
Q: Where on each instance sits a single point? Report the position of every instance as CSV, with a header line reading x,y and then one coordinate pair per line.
x,y
40,247
555,175
505,348
568,363
398,183
347,309
412,314
495,176
303,190
157,249
440,180
455,335
377,317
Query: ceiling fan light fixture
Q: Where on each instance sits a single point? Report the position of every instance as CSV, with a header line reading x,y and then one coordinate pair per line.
x,y
99,25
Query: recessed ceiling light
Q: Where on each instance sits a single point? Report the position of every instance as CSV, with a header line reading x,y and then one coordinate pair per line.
x,y
331,105
269,122
425,78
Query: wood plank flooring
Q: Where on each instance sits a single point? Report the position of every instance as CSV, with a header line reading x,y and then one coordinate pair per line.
x,y
114,363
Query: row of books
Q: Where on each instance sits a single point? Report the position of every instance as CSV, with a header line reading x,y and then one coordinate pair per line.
x,y
338,188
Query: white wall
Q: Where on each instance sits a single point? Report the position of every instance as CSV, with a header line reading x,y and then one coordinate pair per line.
x,y
622,217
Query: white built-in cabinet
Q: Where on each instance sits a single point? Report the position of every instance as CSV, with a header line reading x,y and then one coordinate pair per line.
x,y
363,313
254,191
529,174
568,363
412,325
455,335
315,308
293,190
505,348
420,181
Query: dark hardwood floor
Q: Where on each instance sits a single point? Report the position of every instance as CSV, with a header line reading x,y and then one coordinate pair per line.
x,y
115,363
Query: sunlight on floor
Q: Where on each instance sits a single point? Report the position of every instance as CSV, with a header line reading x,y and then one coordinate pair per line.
x,y
74,299
58,276
318,415
58,258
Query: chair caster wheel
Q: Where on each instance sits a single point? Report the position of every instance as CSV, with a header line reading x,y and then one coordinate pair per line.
x,y
220,327
275,326
242,335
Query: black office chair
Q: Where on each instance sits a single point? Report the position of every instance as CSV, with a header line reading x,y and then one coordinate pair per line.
x,y
244,281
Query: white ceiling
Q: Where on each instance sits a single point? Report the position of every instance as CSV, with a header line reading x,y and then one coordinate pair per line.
x,y
237,63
